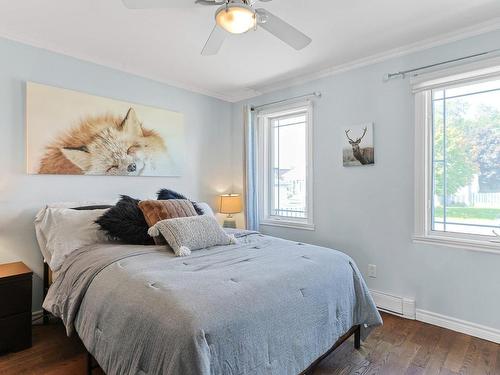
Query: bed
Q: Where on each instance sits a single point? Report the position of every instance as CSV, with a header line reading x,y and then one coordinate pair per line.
x,y
262,306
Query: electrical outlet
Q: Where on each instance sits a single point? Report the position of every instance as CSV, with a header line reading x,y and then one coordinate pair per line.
x,y
372,271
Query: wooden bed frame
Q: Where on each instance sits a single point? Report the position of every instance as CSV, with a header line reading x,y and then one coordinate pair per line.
x,y
92,363
355,330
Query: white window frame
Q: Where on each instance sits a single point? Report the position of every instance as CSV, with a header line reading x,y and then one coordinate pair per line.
x,y
422,88
264,160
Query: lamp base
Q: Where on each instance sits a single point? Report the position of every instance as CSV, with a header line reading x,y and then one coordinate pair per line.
x,y
229,223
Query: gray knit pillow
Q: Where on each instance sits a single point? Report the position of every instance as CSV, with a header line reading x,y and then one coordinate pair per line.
x,y
185,234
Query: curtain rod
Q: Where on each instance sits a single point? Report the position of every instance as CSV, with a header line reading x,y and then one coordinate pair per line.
x,y
315,94
403,73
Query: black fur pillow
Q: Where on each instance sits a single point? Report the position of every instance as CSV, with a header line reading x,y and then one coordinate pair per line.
x,y
166,194
125,222
94,207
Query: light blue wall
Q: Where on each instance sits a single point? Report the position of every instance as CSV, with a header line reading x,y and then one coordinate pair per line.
x,y
207,169
368,212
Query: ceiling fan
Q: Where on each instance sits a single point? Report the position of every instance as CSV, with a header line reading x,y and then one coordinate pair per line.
x,y
234,17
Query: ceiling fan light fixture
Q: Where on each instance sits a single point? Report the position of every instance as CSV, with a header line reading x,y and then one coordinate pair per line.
x,y
236,18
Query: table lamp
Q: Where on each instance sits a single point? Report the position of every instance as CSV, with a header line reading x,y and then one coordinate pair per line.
x,y
230,204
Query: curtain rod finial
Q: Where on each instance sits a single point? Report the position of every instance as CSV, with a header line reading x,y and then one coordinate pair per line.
x,y
389,76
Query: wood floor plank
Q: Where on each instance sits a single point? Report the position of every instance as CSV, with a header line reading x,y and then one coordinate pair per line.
x,y
400,358
430,337
455,358
471,353
441,351
378,358
485,362
414,370
497,364
400,347
445,371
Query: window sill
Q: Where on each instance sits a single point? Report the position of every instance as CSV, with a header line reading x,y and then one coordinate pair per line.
x,y
288,224
486,246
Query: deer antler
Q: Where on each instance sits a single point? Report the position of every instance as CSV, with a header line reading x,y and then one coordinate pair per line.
x,y
347,135
364,133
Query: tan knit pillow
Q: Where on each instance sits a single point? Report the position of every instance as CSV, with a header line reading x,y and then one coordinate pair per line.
x,y
185,234
157,210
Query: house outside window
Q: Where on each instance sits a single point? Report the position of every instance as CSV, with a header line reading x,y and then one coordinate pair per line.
x,y
285,166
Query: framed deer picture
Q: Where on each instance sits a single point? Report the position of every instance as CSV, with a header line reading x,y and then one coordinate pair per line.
x,y
358,148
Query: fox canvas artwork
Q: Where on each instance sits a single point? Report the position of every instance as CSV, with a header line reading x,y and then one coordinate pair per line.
x,y
73,133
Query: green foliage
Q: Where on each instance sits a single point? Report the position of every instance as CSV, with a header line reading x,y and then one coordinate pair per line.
x,y
487,136
468,213
472,146
460,166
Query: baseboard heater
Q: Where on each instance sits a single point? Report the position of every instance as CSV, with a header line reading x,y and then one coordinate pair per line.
x,y
404,307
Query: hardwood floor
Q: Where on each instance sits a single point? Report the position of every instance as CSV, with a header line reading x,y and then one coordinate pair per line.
x,y
409,347
399,347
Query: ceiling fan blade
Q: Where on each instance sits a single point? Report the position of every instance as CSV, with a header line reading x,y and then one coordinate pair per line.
x,y
282,30
214,42
210,2
155,4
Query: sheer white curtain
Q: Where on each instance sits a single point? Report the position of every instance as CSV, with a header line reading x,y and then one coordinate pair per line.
x,y
251,200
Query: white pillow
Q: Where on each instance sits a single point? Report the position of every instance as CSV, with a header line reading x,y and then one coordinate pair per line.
x,y
40,219
207,210
66,230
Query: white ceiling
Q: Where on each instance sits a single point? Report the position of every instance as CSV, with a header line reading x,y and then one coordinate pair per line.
x,y
165,44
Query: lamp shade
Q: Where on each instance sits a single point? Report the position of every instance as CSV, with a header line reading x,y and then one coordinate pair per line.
x,y
230,204
236,18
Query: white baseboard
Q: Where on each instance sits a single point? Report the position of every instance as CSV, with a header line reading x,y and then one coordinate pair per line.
x,y
405,308
458,325
36,315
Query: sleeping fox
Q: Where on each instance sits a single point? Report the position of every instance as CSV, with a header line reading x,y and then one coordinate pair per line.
x,y
105,145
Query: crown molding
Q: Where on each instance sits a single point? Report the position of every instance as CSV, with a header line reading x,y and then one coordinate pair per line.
x,y
119,67
464,33
246,93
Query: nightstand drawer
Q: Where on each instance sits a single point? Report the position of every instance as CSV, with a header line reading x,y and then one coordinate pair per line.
x,y
15,332
15,296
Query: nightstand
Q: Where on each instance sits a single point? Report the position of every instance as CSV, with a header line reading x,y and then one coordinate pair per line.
x,y
15,306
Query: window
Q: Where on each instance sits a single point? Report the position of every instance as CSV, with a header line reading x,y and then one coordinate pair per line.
x,y
285,166
458,162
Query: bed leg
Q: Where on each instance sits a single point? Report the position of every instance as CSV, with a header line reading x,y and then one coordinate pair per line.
x,y
46,271
357,338
45,317
89,364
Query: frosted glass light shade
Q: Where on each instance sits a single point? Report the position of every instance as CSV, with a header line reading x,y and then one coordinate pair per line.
x,y
236,18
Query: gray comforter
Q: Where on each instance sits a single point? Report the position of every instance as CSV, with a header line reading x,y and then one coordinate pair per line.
x,y
263,306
